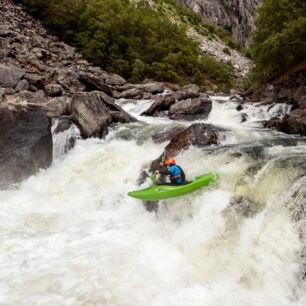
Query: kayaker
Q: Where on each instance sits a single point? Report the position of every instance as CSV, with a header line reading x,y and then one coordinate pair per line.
x,y
177,175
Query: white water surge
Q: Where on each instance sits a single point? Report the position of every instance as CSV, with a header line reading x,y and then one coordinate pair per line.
x,y
71,236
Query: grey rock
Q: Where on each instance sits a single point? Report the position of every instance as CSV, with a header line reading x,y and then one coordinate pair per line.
x,y
162,103
292,123
153,88
36,80
91,114
115,79
38,97
93,82
22,85
57,107
236,16
53,90
133,93
5,30
25,143
190,109
10,75
198,134
189,91
64,124
168,135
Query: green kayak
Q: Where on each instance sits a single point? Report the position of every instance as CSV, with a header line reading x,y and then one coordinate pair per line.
x,y
160,192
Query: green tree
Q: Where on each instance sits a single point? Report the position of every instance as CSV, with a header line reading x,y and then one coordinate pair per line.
x,y
279,41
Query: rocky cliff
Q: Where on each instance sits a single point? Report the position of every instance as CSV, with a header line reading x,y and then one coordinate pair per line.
x,y
42,78
236,16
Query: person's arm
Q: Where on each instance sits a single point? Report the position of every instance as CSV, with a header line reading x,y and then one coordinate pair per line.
x,y
163,172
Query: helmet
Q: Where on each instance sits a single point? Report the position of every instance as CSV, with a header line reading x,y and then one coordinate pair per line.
x,y
170,161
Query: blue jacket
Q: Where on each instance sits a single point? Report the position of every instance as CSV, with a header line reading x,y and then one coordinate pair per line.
x,y
177,175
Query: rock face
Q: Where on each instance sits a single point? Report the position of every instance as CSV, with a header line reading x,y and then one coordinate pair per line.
x,y
43,78
289,88
10,75
93,112
236,16
25,143
184,104
198,134
292,123
190,109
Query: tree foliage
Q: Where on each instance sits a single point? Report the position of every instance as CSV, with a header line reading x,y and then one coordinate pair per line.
x,y
279,41
131,39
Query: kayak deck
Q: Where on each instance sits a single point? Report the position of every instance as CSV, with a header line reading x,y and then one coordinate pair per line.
x,y
160,192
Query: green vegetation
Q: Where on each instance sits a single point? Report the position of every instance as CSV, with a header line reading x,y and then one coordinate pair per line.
x,y
133,40
227,51
279,42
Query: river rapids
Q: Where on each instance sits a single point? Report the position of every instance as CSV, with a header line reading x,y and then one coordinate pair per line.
x,y
70,235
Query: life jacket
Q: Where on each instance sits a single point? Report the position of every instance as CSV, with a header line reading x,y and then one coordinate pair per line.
x,y
178,176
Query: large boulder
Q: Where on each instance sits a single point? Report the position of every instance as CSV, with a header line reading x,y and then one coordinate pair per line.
x,y
90,114
93,82
161,104
25,143
94,111
57,107
10,75
190,109
292,123
115,80
117,113
153,88
189,91
198,134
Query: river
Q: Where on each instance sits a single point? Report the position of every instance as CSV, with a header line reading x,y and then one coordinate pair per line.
x,y
70,235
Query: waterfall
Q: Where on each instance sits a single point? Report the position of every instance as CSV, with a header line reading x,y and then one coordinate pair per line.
x,y
72,236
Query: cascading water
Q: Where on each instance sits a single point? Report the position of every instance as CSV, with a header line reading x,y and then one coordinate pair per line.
x,y
71,236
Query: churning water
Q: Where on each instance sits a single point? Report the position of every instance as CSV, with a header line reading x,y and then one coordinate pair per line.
x,y
71,236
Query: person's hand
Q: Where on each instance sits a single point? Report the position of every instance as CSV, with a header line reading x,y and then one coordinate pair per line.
x,y
161,164
156,172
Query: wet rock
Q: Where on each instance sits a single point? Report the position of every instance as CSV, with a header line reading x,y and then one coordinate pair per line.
x,y
292,123
117,113
244,117
53,90
25,142
190,109
239,108
143,177
165,136
236,98
90,114
64,124
189,91
198,134
133,93
162,103
10,75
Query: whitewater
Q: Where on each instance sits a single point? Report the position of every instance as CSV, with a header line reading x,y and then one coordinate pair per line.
x,y
70,235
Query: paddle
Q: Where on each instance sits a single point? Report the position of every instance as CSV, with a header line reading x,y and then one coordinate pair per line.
x,y
153,177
